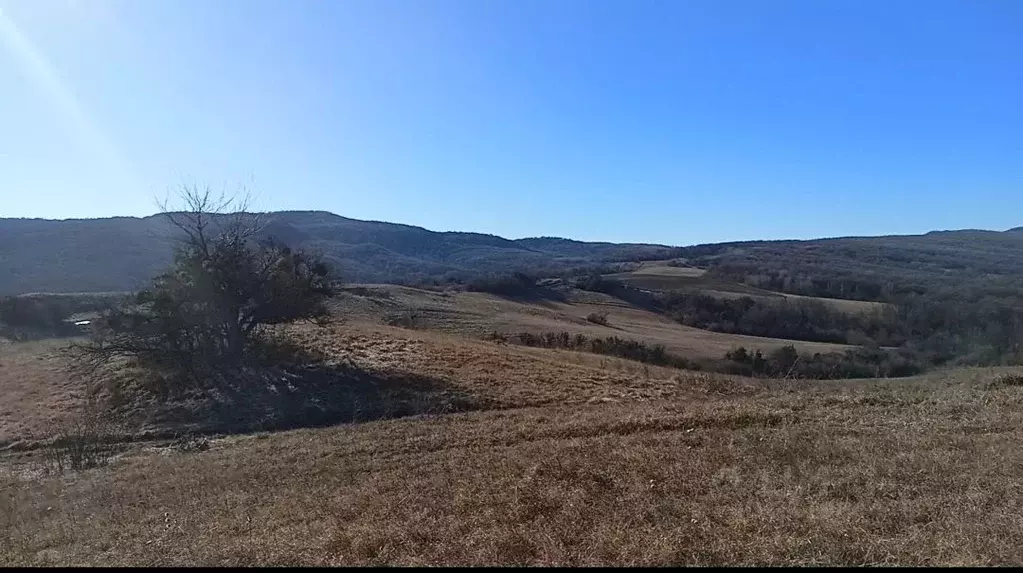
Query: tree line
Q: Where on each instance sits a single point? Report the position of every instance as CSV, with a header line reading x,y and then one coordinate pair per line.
x,y
784,362
929,330
31,317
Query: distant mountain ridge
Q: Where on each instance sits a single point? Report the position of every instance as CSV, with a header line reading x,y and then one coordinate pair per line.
x,y
123,253
971,261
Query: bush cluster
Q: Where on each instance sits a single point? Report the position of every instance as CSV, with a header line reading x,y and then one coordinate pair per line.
x,y
654,354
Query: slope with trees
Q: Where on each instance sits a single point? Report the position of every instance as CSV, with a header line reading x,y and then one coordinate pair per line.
x,y
122,254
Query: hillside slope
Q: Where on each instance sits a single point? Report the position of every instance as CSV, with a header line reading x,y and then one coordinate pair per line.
x,y
116,254
475,315
88,255
870,268
544,457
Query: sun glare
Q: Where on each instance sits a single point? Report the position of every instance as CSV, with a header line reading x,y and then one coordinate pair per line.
x,y
76,120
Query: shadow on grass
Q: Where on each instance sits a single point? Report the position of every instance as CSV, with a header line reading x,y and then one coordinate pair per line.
x,y
262,399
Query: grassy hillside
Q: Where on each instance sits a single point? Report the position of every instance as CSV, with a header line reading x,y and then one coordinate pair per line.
x,y
39,390
476,315
560,459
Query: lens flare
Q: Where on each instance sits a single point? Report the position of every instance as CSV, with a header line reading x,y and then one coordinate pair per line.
x,y
75,118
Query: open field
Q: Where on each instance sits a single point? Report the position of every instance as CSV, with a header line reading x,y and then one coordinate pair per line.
x,y
442,366
658,275
477,314
572,462
35,384
662,269
848,306
37,393
655,275
444,449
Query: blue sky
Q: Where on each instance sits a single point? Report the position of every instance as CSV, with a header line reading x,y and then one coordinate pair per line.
x,y
676,122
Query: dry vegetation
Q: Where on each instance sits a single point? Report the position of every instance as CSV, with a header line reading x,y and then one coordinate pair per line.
x,y
659,276
844,305
567,459
37,394
475,315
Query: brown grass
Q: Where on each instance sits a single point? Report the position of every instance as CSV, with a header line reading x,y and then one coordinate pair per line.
x,y
656,275
478,314
37,394
658,268
846,306
580,460
503,376
920,472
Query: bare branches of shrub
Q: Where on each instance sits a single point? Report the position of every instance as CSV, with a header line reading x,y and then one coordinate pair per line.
x,y
226,285
80,443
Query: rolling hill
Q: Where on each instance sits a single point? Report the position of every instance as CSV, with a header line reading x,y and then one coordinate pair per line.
x,y
116,254
872,268
121,253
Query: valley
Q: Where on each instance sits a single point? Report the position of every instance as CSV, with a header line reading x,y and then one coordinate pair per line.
x,y
441,422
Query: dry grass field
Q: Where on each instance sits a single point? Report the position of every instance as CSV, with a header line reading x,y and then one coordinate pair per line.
x,y
556,458
37,394
475,315
656,275
844,305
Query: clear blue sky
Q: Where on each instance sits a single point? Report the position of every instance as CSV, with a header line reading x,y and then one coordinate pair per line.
x,y
665,121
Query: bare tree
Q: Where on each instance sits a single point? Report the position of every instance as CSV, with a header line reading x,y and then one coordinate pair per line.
x,y
202,215
225,283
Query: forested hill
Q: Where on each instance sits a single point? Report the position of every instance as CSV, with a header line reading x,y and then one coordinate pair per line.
x,y
122,253
967,263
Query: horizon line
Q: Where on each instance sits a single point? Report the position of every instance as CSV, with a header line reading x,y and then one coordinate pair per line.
x,y
321,211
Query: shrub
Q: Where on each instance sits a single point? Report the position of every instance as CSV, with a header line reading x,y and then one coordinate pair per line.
x,y
79,444
516,284
1007,380
190,443
597,318
205,314
784,358
609,346
786,362
497,337
597,283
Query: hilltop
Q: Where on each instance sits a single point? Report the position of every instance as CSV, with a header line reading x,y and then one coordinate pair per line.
x,y
121,253
869,268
